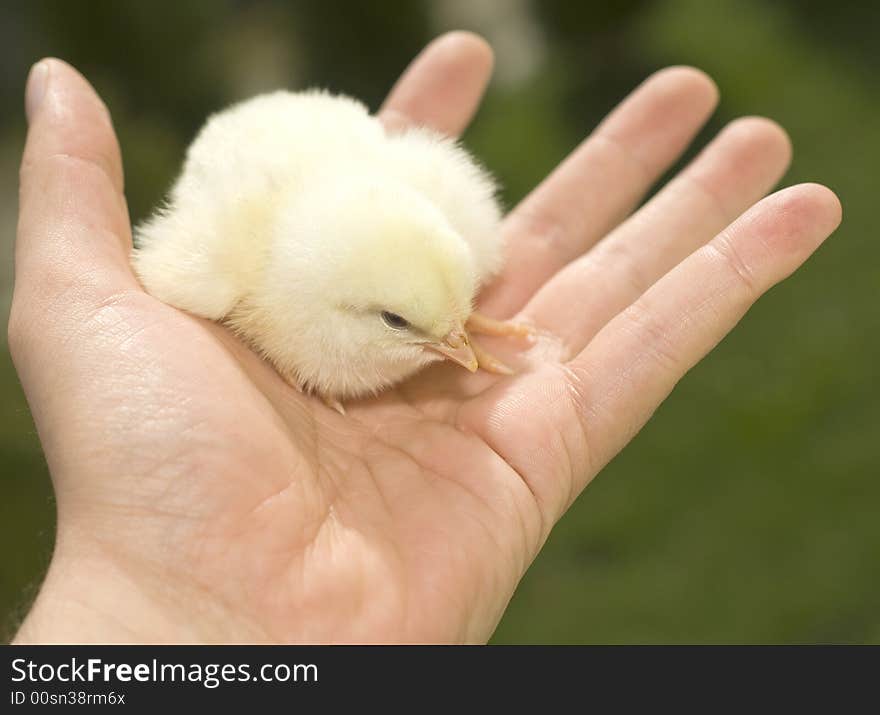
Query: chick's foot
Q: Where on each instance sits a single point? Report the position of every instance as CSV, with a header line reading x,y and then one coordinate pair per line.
x,y
488,362
333,404
484,325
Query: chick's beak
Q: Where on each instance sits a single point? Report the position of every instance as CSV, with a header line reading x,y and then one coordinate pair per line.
x,y
456,347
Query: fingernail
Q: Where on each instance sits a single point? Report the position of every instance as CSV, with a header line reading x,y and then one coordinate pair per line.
x,y
37,80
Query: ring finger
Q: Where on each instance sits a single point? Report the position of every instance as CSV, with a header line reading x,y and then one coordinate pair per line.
x,y
735,170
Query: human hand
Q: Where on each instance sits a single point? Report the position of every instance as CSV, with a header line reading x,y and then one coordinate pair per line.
x,y
201,499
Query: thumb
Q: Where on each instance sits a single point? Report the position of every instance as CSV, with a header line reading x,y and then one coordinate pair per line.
x,y
73,234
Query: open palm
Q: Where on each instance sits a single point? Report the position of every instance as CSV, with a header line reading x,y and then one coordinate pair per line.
x,y
202,499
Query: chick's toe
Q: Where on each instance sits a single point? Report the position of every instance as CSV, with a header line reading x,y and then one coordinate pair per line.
x,y
484,325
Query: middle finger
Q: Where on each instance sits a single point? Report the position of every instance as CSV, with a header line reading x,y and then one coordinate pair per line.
x,y
600,182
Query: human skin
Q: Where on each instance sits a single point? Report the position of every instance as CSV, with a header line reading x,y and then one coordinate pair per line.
x,y
201,499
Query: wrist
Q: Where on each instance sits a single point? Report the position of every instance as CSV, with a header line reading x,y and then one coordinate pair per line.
x,y
86,598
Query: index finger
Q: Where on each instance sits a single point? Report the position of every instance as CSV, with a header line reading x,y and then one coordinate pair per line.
x,y
442,87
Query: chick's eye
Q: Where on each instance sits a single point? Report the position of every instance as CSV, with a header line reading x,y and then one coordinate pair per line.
x,y
394,321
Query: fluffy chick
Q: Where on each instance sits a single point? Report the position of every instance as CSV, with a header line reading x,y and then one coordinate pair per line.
x,y
349,257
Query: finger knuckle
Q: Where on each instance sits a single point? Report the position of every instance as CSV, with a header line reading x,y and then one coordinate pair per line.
x,y
653,335
544,229
725,249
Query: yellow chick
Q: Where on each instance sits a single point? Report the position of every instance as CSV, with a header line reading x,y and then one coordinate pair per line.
x,y
349,257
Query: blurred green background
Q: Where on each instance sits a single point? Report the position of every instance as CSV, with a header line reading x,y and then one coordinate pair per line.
x,y
747,510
